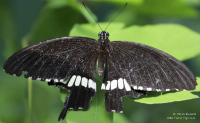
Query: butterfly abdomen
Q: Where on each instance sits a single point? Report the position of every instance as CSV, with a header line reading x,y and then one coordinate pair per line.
x,y
101,63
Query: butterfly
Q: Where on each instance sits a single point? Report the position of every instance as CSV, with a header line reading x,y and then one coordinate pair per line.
x,y
128,69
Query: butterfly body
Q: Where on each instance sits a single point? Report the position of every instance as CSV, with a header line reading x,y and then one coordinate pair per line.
x,y
128,68
104,42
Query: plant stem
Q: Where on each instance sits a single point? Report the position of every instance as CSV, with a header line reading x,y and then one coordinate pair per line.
x,y
24,44
30,99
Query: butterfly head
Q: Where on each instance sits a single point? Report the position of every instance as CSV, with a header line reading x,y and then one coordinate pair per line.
x,y
103,35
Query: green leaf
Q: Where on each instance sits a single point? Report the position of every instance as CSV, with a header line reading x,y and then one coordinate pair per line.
x,y
74,4
7,30
134,2
154,98
120,118
173,8
141,11
96,113
176,40
55,20
92,30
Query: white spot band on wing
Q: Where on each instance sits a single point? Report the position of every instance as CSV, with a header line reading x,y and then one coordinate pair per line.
x,y
113,84
120,83
108,85
127,87
84,82
71,81
78,81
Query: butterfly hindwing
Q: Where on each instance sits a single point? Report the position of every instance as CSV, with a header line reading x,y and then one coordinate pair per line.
x,y
81,92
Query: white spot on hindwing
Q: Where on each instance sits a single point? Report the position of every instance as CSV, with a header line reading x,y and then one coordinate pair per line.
x,y
113,110
120,83
80,108
135,87
127,86
78,81
84,82
71,81
55,80
176,89
140,88
92,84
108,85
158,89
48,80
167,90
149,89
113,84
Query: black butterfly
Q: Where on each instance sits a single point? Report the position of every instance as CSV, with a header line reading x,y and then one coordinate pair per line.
x,y
129,69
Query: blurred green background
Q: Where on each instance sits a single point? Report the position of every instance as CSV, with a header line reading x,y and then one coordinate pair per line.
x,y
25,22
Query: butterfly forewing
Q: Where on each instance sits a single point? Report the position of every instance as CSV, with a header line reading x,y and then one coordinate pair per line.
x,y
56,59
146,68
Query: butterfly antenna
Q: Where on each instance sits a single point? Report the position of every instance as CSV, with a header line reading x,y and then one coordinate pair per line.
x,y
92,15
116,16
